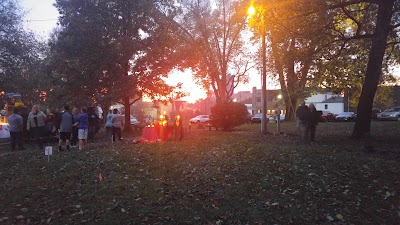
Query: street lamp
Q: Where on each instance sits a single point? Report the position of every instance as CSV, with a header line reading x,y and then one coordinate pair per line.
x,y
251,11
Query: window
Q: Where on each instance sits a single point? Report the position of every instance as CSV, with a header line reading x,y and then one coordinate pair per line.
x,y
326,106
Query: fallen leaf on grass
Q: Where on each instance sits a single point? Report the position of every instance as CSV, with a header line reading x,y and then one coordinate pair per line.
x,y
330,218
19,217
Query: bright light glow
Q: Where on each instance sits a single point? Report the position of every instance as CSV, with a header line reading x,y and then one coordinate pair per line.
x,y
251,11
194,91
279,96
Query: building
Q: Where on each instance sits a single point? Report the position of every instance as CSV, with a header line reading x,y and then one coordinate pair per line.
x,y
273,101
242,96
327,101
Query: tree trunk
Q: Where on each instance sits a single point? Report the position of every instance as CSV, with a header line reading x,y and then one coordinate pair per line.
x,y
374,69
127,125
290,111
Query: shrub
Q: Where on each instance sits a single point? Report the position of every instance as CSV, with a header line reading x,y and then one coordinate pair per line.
x,y
228,115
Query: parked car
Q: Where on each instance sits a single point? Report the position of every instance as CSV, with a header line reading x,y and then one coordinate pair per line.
x,y
273,117
374,114
257,118
134,121
248,118
346,116
392,113
200,119
326,116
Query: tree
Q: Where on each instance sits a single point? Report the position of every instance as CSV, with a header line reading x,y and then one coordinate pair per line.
x,y
213,44
295,47
383,28
377,22
228,115
20,54
346,72
300,51
116,49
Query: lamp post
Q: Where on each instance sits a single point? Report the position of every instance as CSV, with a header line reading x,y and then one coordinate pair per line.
x,y
278,115
251,11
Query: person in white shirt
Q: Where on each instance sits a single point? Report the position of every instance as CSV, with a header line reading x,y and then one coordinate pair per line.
x,y
117,124
37,125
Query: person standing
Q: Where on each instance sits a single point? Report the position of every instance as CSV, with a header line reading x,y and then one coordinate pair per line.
x,y
66,122
93,123
74,134
82,122
109,125
37,123
16,127
312,118
117,125
301,114
50,124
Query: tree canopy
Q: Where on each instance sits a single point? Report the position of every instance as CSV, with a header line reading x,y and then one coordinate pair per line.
x,y
331,44
116,50
20,54
213,45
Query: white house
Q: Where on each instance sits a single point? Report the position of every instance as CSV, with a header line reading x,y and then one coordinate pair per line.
x,y
327,101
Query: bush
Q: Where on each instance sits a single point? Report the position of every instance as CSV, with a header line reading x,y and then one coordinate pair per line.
x,y
228,115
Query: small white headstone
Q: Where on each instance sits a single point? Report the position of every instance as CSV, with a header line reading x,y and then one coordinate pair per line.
x,y
48,150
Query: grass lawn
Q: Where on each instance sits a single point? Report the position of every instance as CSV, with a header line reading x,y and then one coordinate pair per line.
x,y
211,177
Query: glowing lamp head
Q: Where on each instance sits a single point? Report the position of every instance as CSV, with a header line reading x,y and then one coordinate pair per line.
x,y
251,11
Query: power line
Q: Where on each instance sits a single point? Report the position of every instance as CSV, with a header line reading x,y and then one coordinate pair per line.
x,y
42,20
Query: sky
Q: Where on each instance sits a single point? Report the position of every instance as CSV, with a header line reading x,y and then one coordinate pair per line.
x,y
41,16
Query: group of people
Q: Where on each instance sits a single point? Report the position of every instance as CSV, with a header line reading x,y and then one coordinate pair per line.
x,y
114,125
307,121
76,127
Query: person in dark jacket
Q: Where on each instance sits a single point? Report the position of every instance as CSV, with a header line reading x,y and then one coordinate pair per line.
x,y
312,119
74,134
93,123
301,114
16,126
66,122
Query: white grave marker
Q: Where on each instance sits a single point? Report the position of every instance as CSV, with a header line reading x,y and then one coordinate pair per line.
x,y
48,150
